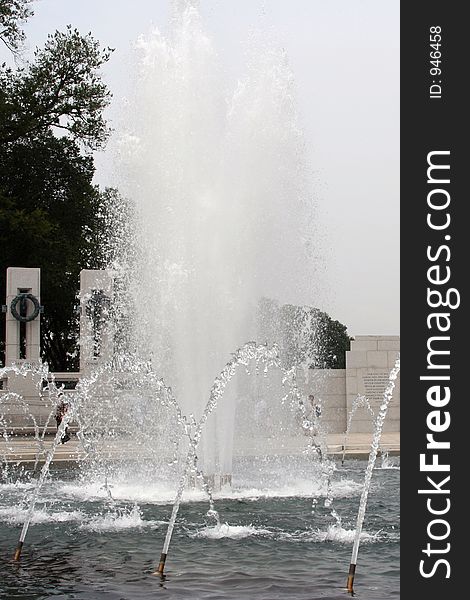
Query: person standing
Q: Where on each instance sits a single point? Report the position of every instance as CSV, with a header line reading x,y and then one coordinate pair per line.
x,y
313,415
62,408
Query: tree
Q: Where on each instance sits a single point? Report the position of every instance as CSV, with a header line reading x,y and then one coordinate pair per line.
x,y
331,342
60,90
52,216
306,335
13,13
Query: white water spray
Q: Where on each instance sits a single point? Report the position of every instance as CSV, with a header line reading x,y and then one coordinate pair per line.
x,y
379,422
217,182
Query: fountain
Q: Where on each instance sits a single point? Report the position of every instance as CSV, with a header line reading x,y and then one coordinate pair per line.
x,y
215,181
101,400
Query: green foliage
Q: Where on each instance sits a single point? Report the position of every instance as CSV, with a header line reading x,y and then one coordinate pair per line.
x,y
13,13
52,216
61,89
306,335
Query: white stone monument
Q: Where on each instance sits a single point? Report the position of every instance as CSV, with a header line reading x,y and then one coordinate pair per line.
x,y
23,322
22,347
96,328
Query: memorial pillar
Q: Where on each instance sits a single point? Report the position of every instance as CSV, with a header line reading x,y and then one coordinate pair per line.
x,y
96,328
23,319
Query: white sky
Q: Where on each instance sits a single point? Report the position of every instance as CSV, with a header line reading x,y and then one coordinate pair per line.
x,y
345,57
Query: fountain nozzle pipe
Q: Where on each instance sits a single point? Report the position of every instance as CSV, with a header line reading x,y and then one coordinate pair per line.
x,y
18,550
350,583
161,565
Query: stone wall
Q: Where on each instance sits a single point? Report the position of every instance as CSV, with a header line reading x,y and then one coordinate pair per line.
x,y
368,366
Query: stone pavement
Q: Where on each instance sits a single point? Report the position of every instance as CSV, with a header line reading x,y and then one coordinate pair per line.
x,y
358,444
23,449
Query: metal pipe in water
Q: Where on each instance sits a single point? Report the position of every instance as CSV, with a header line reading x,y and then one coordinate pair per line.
x,y
42,477
370,466
250,351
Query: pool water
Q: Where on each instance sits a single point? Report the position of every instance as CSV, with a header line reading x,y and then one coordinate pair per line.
x,y
269,544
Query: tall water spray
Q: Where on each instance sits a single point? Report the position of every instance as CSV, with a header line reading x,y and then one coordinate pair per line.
x,y
217,184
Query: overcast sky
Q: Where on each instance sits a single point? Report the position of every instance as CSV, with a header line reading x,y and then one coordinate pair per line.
x,y
345,57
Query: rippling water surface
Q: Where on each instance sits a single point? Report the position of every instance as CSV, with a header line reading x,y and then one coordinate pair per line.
x,y
269,544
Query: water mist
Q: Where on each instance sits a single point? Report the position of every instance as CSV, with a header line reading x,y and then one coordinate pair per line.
x,y
221,214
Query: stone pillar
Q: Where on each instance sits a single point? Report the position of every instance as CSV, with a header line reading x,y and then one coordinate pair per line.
x,y
22,390
27,350
96,328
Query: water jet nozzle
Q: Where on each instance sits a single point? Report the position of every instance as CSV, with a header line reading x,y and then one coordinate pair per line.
x,y
350,583
18,550
161,565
